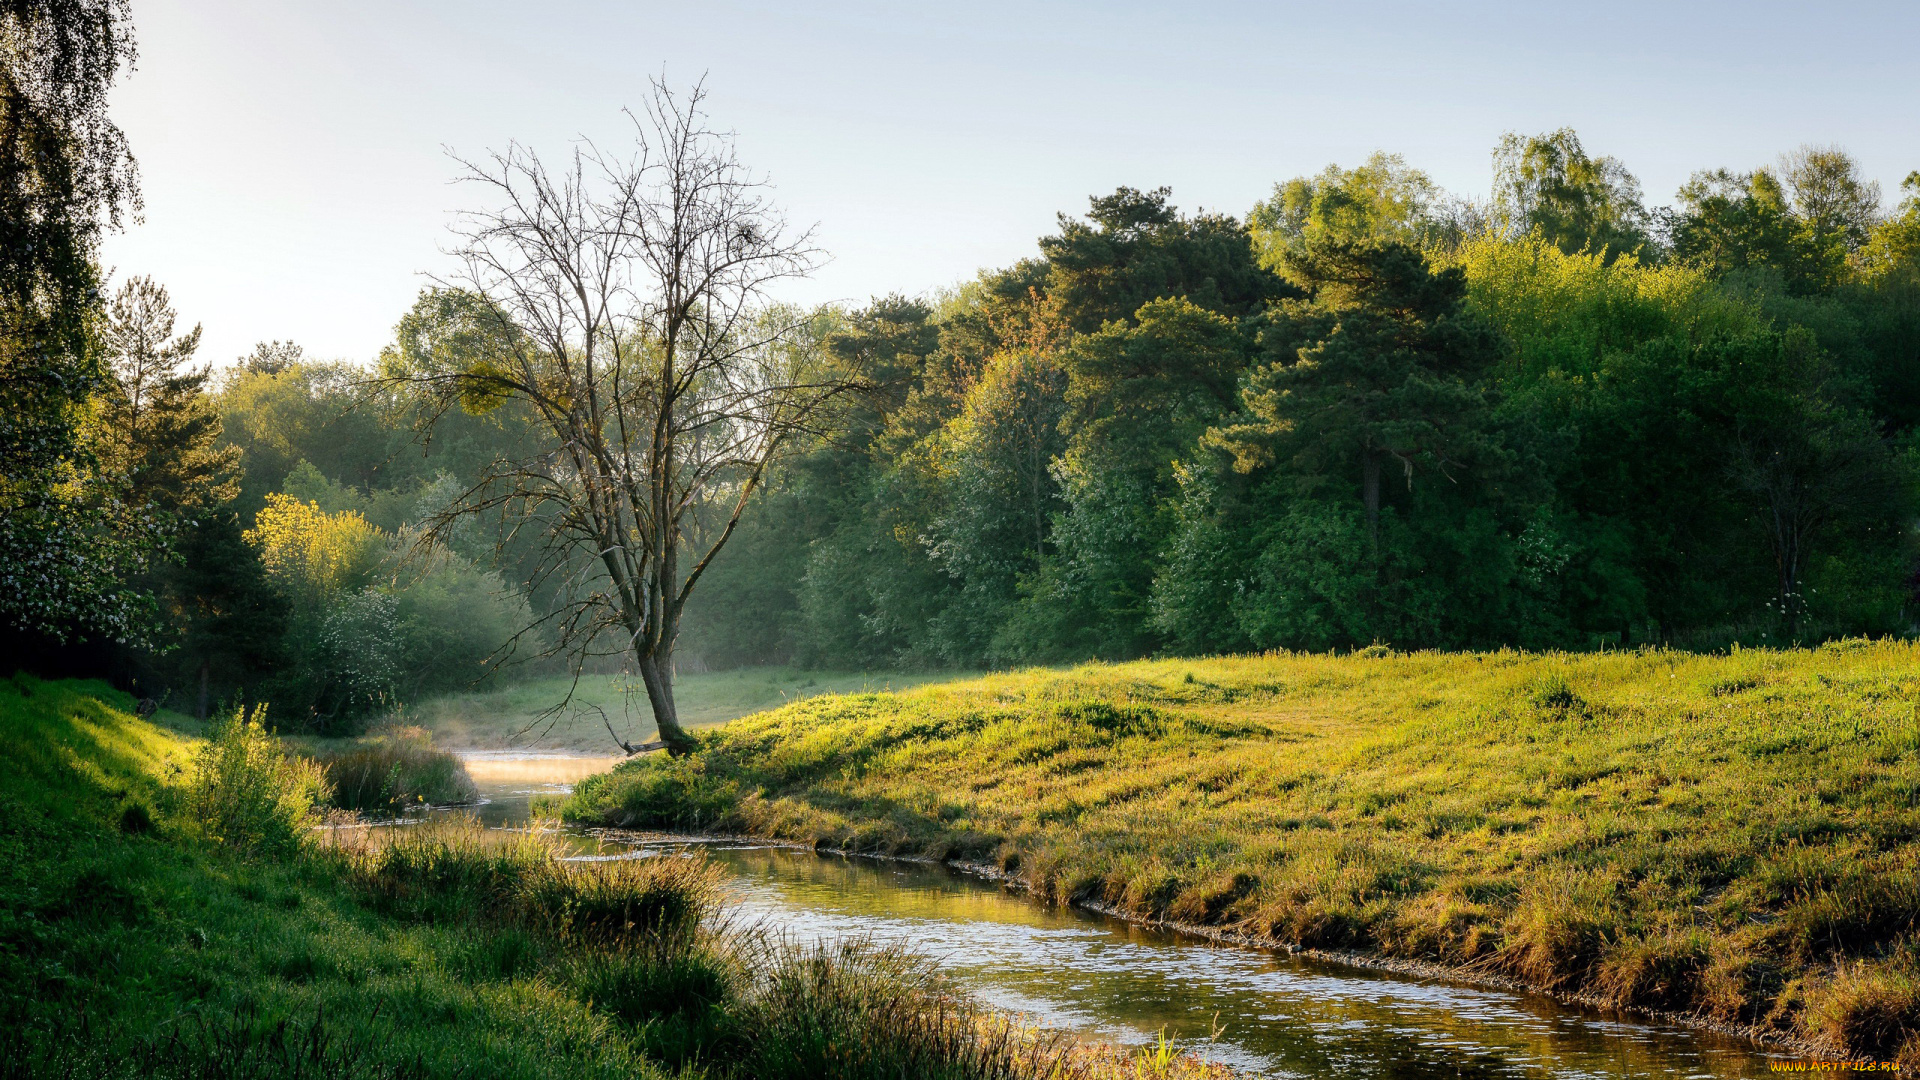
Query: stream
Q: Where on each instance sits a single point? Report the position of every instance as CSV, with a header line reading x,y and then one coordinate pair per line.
x,y
1266,1013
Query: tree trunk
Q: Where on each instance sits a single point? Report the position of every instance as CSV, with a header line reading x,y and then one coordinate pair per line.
x,y
204,665
657,672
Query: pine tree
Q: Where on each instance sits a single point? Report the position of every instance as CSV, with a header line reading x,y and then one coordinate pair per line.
x,y
222,622
162,430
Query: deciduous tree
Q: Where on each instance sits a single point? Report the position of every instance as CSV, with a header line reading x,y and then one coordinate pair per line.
x,y
628,300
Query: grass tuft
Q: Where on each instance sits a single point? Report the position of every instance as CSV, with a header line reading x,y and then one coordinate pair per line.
x,y
395,771
1871,1008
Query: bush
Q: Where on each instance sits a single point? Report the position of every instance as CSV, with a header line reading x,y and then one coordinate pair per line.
x,y
248,793
395,771
450,620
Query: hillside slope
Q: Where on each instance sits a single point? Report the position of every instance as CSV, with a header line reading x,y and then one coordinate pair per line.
x,y
1731,837
130,948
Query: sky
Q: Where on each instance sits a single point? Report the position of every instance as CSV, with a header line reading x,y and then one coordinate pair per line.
x,y
298,185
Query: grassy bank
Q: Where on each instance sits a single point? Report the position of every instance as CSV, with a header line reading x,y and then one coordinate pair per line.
x,y
166,910
512,716
1731,837
133,944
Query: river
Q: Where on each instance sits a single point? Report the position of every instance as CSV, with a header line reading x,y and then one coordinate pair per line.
x,y
1263,1012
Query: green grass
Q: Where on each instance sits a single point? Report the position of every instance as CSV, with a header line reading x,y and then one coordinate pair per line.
x,y
512,716
115,940
165,911
1732,837
393,770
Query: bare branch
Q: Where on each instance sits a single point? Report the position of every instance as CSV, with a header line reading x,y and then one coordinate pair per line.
x,y
628,300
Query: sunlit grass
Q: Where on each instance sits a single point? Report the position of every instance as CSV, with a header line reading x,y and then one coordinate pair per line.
x,y
1705,834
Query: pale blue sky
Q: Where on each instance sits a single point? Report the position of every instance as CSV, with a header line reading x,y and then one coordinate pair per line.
x,y
297,185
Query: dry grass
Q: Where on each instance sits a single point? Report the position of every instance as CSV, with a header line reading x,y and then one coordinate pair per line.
x,y
1716,835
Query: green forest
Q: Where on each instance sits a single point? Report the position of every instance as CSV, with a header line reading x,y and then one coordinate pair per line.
x,y
1364,412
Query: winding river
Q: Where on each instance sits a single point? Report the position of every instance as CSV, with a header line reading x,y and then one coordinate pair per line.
x,y
1266,1013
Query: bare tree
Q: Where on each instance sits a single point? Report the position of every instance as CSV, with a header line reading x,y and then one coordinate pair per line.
x,y
623,300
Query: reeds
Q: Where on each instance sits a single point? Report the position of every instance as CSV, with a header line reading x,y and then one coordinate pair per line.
x,y
395,771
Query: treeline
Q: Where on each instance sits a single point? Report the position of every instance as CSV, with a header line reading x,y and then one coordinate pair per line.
x,y
1372,413
1367,413
268,519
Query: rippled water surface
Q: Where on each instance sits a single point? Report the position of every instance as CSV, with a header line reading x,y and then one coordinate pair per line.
x,y
1267,1013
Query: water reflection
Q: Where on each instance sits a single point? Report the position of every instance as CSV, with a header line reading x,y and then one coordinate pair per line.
x,y
1274,1015
509,779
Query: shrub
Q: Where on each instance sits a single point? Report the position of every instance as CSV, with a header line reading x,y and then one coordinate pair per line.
x,y
395,771
451,619
248,793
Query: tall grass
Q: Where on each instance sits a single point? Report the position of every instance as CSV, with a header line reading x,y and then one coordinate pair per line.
x,y
443,869
1733,837
847,1009
249,793
394,771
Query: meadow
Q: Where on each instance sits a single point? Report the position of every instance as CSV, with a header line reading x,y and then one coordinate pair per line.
x,y
1725,837
168,909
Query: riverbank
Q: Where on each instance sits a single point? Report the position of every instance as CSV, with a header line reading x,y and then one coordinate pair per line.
x,y
1729,839
166,910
